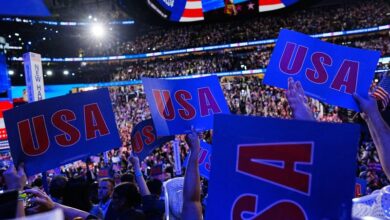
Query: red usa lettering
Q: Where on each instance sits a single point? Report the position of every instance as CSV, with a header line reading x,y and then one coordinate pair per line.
x,y
34,135
245,207
274,163
294,56
165,104
146,134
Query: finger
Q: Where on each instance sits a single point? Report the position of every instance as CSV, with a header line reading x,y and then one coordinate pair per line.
x,y
193,129
38,200
290,84
21,169
35,192
299,88
10,169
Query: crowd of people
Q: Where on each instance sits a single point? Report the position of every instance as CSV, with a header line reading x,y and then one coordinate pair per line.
x,y
354,15
116,185
84,188
227,60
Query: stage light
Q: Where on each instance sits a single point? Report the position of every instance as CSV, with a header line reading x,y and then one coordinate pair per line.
x,y
29,43
49,73
90,17
98,30
66,72
376,80
11,72
43,38
17,34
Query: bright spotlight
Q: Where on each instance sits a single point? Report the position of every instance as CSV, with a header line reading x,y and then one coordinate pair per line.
x,y
98,30
66,72
49,73
11,72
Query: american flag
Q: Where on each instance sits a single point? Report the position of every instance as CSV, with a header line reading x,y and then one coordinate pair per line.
x,y
193,11
382,92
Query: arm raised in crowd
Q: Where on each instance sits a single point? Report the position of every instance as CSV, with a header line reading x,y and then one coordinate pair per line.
x,y
139,178
298,101
379,130
192,207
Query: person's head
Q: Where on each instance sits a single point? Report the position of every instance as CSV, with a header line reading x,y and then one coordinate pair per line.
x,y
57,187
105,189
155,187
127,177
77,194
125,196
38,183
93,192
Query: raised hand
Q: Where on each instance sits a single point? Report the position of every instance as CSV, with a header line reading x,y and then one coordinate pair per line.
x,y
366,105
15,179
42,202
192,140
298,101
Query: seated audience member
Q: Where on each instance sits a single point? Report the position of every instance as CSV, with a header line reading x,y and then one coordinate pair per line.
x,y
127,177
77,196
125,203
105,189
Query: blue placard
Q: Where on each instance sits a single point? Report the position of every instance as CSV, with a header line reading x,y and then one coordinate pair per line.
x,y
24,8
177,104
52,132
204,159
144,139
328,72
265,168
360,187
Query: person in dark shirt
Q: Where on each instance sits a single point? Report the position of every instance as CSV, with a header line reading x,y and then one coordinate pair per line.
x,y
125,201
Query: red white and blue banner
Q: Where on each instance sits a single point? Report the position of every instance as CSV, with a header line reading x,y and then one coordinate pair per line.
x,y
178,104
266,168
144,139
195,10
328,72
52,132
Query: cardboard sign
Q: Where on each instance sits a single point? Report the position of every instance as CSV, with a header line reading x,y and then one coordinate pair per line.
x,y
204,159
104,172
360,187
46,134
177,104
328,72
265,168
144,139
